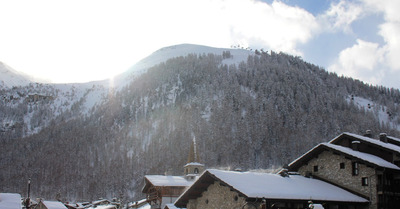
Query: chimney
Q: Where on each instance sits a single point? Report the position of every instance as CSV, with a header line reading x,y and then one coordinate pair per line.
x,y
383,137
284,172
368,133
355,145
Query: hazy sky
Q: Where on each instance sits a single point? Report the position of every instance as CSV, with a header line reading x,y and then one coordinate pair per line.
x,y
84,40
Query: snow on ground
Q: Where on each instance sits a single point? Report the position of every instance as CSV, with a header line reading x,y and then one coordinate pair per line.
x,y
381,112
10,77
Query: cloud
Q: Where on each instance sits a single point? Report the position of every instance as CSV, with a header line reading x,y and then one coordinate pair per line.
x,y
276,26
360,61
341,15
371,62
96,38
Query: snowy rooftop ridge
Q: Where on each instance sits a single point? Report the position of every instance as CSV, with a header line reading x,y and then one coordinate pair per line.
x,y
54,205
370,140
274,186
363,156
161,180
360,155
10,201
394,138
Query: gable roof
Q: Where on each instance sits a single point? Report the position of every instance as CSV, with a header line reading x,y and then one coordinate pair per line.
x,y
165,181
269,186
361,156
10,201
368,140
54,205
393,140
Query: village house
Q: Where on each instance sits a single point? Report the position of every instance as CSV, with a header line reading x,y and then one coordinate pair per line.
x,y
50,205
161,190
363,165
350,172
236,190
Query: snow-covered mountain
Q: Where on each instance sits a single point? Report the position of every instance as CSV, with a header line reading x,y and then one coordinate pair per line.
x,y
10,77
30,100
246,109
163,54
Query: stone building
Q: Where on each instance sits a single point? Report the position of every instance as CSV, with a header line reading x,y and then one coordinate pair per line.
x,y
161,190
237,190
50,205
366,166
350,172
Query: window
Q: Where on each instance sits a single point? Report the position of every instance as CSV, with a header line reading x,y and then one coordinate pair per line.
x,y
355,168
364,181
315,168
196,170
236,198
342,166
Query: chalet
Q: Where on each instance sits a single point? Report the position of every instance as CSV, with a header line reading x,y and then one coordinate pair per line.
x,y
360,164
50,205
10,201
232,189
164,189
350,171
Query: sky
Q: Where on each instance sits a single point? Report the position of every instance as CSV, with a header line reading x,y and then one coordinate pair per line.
x,y
64,41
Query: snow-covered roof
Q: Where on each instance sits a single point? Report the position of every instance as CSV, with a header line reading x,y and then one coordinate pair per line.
x,y
54,205
394,138
271,186
377,161
363,156
10,201
194,163
160,180
109,206
172,206
388,146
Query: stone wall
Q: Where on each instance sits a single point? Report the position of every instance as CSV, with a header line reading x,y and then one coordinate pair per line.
x,y
329,167
217,196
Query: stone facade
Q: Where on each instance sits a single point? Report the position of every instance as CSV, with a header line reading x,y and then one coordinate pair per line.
x,y
339,170
217,196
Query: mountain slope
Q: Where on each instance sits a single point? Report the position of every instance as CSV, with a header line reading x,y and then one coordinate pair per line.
x,y
10,77
163,54
264,110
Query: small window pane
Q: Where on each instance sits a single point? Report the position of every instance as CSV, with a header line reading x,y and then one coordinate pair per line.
x,y
364,181
342,166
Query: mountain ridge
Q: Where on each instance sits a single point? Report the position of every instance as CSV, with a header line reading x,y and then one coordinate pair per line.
x,y
258,112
